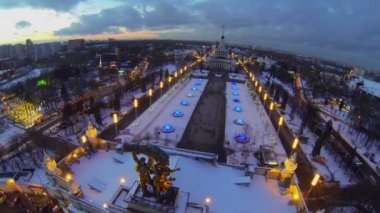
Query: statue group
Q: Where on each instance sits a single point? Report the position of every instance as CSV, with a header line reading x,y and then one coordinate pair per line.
x,y
162,175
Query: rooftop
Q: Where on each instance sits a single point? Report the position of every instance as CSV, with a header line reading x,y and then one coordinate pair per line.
x,y
200,178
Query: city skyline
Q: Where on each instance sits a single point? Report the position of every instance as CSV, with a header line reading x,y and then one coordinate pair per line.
x,y
344,32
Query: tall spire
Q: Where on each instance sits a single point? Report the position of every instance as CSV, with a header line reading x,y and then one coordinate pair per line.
x,y
222,32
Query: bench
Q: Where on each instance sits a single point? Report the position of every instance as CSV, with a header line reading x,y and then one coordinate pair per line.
x,y
244,180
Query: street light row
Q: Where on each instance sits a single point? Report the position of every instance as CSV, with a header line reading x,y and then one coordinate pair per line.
x,y
295,143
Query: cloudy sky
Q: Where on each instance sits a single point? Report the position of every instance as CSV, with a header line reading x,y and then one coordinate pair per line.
x,y
342,30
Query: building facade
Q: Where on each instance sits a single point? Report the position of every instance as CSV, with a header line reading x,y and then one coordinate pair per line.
x,y
220,60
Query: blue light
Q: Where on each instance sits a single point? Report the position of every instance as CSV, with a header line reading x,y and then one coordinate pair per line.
x,y
236,100
239,121
241,138
185,103
233,83
235,93
238,109
177,113
234,87
167,128
194,89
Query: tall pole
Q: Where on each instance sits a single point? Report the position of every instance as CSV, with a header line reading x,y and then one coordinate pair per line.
x,y
115,120
150,93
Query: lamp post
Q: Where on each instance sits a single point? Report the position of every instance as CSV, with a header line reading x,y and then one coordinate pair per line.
x,y
280,121
135,105
255,83
170,80
115,120
260,88
294,146
265,97
271,106
313,183
161,86
150,93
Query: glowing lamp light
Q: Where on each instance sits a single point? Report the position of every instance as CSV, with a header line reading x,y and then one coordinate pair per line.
x,y
105,205
68,177
271,106
122,180
295,143
150,92
265,97
255,83
11,181
170,79
161,84
280,121
238,109
135,103
208,200
84,139
175,75
315,179
114,117
185,103
260,89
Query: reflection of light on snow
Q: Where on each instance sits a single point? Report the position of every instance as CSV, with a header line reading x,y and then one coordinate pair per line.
x,y
236,93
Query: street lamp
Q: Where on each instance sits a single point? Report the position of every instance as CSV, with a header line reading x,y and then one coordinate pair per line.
x,y
180,71
161,86
260,89
265,97
271,106
294,146
255,83
170,80
150,93
115,120
208,200
122,181
280,121
313,183
135,105
175,75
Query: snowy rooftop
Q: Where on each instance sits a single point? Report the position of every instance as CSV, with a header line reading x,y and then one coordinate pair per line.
x,y
201,179
371,87
9,130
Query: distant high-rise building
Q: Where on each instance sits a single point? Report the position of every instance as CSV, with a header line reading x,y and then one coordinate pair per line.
x,y
29,49
75,44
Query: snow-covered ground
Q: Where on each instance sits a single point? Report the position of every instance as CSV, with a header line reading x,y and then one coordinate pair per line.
x,y
331,170
160,113
203,73
240,77
201,179
266,75
170,67
258,126
10,131
125,104
371,87
32,74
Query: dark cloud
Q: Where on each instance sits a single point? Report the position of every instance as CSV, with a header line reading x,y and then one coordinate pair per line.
x,y
23,24
60,5
337,29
